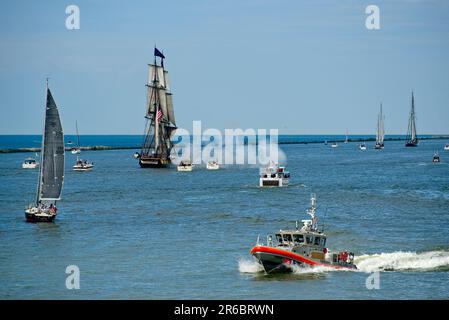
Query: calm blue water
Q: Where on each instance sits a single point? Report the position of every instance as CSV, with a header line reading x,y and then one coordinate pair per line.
x,y
143,233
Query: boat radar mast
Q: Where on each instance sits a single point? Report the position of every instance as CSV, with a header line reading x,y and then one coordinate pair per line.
x,y
311,225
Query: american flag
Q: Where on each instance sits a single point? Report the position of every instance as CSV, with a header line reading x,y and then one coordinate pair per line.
x,y
159,115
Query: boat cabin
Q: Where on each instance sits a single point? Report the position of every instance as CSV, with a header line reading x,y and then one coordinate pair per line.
x,y
29,161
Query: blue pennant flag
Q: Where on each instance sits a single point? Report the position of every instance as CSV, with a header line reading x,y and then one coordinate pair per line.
x,y
157,53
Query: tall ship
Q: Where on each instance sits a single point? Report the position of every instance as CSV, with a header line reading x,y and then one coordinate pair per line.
x,y
380,133
160,118
412,138
51,173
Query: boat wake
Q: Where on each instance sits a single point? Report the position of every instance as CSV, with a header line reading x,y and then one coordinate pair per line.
x,y
249,266
403,261
393,261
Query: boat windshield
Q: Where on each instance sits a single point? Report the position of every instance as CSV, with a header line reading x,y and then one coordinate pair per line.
x,y
287,237
309,239
299,238
279,238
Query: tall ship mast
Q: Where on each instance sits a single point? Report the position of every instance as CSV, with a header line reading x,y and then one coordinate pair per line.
x,y
412,138
51,174
160,117
380,133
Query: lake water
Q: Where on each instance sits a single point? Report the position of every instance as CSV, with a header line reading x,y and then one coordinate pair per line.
x,y
159,234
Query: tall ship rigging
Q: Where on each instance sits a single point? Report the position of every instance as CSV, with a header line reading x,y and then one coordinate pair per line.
x,y
51,174
412,138
160,117
380,133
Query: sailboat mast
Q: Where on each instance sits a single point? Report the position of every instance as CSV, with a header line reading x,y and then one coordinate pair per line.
x,y
77,134
412,119
41,164
156,109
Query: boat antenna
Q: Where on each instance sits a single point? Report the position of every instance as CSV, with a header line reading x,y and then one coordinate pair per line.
x,y
324,219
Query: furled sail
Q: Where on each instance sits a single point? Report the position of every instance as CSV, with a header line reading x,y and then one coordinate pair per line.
x,y
380,134
52,169
411,131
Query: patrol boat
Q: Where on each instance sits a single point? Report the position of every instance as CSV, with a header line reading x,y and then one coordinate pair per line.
x,y
301,247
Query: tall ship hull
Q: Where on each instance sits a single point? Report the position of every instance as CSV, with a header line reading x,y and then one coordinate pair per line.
x,y
160,117
153,162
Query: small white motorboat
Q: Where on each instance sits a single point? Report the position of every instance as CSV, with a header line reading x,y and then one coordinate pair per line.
x,y
362,146
446,147
212,165
274,176
82,165
75,150
30,163
436,158
185,166
334,145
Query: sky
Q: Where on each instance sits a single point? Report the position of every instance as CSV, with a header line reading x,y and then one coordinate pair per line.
x,y
303,67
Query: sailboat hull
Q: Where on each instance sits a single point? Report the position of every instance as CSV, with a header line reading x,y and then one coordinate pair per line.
x,y
152,162
38,216
411,144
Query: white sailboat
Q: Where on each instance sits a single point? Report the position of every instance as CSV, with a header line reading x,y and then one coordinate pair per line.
x,y
412,137
77,149
51,174
380,133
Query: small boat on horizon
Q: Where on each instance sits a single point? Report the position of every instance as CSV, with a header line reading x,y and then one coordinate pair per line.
x,y
77,149
380,133
446,147
51,173
303,247
30,163
334,145
274,176
362,146
412,138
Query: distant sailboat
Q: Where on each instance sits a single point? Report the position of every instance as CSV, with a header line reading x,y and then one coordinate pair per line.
x,y
412,138
77,149
51,174
346,140
157,145
380,133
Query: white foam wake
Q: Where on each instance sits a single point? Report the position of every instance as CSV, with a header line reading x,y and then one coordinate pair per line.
x,y
393,261
403,261
249,266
